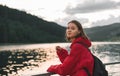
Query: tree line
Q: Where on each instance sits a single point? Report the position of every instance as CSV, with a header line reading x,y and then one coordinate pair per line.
x,y
20,27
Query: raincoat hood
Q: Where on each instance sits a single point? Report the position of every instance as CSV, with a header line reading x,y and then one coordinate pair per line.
x,y
82,40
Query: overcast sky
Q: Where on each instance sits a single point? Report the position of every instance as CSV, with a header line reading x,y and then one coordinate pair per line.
x,y
89,12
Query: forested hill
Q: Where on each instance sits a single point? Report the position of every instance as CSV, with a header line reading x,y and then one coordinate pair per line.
x,y
104,33
20,27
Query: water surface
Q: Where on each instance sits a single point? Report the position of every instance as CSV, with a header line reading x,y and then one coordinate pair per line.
x,y
45,53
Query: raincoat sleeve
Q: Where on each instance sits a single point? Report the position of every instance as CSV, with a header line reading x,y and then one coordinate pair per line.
x,y
68,64
62,54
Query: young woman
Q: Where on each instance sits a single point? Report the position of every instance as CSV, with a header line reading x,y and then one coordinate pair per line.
x,y
73,64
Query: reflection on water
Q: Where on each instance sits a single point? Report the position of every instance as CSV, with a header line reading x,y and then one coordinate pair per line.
x,y
24,57
107,50
108,53
14,60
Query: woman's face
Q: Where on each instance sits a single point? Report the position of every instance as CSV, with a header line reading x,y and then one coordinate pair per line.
x,y
72,31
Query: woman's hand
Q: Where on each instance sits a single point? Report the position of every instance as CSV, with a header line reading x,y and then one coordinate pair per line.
x,y
58,48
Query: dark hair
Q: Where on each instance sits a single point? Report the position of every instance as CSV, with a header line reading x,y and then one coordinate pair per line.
x,y
79,26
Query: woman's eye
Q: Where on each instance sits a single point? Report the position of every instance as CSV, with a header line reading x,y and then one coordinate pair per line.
x,y
73,28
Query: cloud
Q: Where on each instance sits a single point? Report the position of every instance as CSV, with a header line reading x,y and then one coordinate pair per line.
x,y
110,20
65,20
92,6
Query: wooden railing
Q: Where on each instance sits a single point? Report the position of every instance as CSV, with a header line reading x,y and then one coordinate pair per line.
x,y
44,74
112,63
49,74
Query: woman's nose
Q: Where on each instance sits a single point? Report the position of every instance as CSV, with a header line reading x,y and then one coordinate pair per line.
x,y
69,29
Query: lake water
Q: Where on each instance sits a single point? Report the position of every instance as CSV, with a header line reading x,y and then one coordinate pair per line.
x,y
107,51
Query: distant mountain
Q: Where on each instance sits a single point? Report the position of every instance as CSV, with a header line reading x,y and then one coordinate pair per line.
x,y
104,33
20,27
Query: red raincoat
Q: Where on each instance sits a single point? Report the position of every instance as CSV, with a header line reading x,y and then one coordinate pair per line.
x,y
73,63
